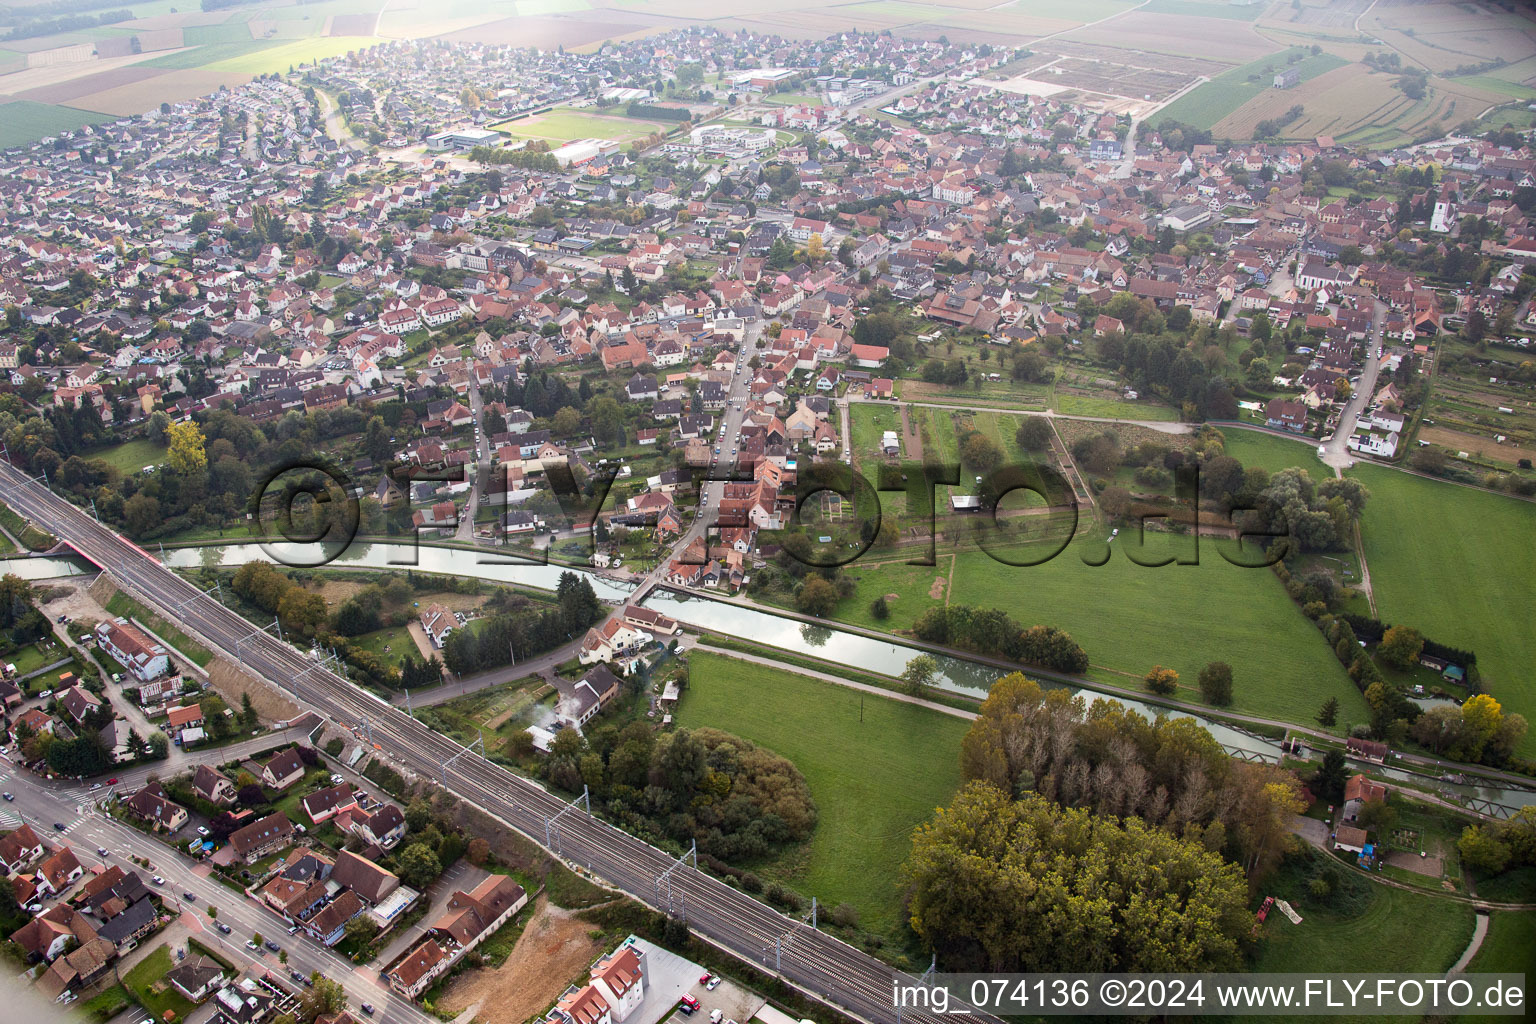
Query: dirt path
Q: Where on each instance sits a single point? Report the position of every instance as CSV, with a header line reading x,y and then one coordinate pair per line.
x,y
911,438
554,948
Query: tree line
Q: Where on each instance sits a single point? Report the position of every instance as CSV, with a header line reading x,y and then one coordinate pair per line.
x,y
994,632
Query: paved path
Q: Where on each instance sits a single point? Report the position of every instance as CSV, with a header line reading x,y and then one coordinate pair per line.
x,y
1479,932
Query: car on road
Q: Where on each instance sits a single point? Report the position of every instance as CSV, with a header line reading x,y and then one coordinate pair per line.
x,y
95,786
274,947
298,976
157,880
58,826
112,781
221,926
190,897
251,944
101,851
367,1008
8,796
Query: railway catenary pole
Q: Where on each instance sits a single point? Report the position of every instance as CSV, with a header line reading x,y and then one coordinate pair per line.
x,y
820,965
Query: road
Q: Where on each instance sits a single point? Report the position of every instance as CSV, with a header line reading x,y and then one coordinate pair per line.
x,y
810,960
1336,451
87,830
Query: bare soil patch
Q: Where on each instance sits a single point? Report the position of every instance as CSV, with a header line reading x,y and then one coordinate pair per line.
x,y
64,92
172,87
555,947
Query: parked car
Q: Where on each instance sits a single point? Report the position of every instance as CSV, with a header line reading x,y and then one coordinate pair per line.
x,y
202,830
221,926
45,695
713,982
715,1016
274,947
298,976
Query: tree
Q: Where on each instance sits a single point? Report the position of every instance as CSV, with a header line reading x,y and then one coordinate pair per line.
x,y
919,675
324,996
1330,778
816,596
1482,850
1163,681
997,884
880,609
1400,647
1328,714
376,443
418,865
159,746
477,851
186,455
248,716
1481,717
1034,434
1216,683
980,453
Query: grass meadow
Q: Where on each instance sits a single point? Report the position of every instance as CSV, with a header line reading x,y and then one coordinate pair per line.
x,y
1458,565
876,767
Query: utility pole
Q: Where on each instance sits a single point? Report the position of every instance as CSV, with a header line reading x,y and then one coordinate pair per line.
x,y
813,912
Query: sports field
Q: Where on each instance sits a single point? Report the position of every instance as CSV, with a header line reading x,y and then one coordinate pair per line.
x,y
876,767
563,124
1459,566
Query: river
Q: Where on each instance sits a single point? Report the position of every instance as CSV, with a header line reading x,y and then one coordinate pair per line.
x,y
956,675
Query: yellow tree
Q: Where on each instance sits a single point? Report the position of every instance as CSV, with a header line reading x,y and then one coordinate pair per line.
x,y
186,441
815,249
1480,718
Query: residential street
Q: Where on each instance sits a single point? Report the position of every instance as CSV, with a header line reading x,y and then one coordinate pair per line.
x,y
86,829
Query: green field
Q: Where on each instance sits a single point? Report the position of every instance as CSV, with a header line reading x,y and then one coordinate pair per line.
x,y
24,121
1273,453
1204,9
1459,566
1507,946
1374,929
564,124
1129,617
132,456
300,51
873,779
207,55
1223,94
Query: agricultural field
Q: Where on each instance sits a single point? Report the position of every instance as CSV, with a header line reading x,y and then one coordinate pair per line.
x,y
1446,560
281,56
1463,413
1223,95
1271,103
876,768
26,121
563,124
1220,39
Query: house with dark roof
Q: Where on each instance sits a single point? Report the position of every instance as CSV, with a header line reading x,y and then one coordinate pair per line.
x,y
383,828
283,770
151,806
260,838
363,877
212,785
324,804
19,849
